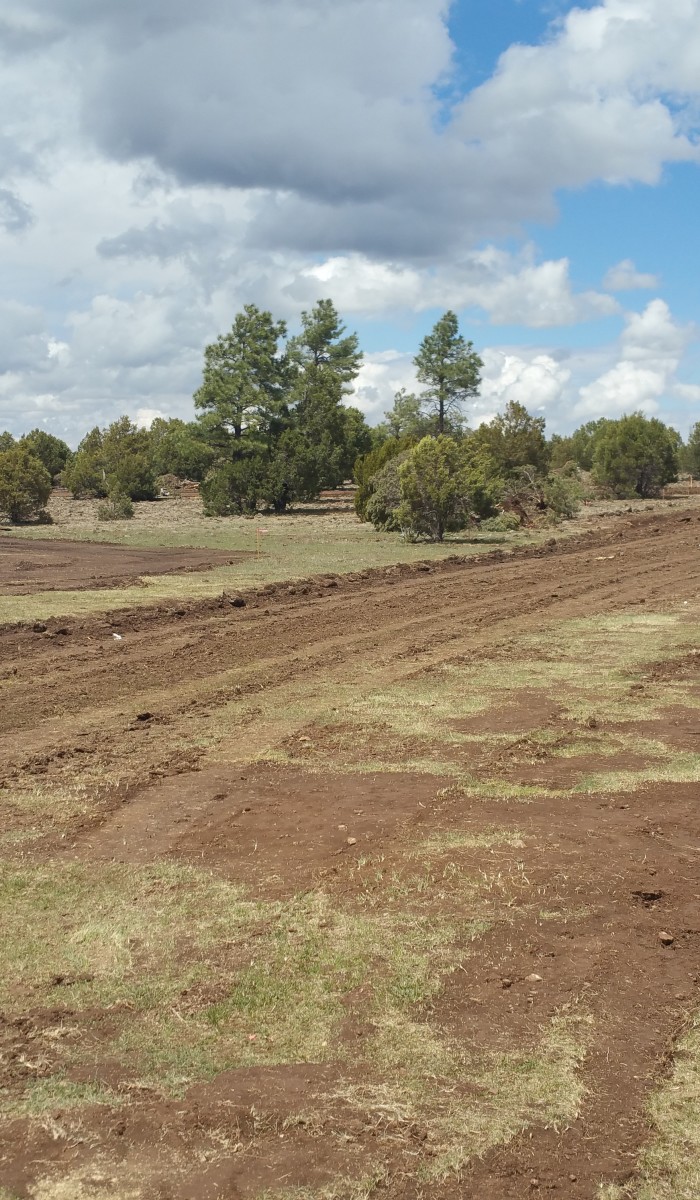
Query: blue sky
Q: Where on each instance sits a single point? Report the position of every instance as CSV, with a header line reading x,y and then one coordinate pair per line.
x,y
533,166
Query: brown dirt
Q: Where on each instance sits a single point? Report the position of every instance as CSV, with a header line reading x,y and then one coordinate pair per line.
x,y
604,873
27,567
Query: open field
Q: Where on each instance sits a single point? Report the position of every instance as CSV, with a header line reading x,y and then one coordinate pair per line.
x,y
377,885
313,539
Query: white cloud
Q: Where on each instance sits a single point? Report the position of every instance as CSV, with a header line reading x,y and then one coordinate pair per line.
x,y
162,164
624,277
511,289
650,351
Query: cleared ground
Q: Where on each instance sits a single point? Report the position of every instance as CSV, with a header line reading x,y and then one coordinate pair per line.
x,y
377,885
63,565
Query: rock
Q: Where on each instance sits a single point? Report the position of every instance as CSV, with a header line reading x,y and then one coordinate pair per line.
x,y
666,939
352,841
237,602
534,979
506,983
39,627
592,723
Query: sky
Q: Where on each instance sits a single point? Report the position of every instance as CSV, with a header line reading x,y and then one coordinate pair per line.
x,y
532,165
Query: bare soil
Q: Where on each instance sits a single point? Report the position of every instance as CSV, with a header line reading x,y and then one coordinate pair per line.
x,y
611,871
27,567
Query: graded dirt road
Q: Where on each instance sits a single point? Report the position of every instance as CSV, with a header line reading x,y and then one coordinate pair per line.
x,y
33,566
306,744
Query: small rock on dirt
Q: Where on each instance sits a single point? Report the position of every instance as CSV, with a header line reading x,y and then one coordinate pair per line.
x,y
237,602
352,841
666,939
39,627
534,979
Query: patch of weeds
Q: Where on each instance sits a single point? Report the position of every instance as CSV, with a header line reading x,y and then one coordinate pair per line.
x,y
338,1189
468,1102
197,979
678,768
494,789
101,1181
41,807
58,1092
442,842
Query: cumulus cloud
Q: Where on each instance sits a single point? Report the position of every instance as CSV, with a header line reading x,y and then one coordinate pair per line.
x,y
331,112
650,351
624,277
512,289
162,164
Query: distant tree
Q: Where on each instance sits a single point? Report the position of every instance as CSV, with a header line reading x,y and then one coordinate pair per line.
x,y
245,375
635,455
127,461
385,500
291,472
51,451
367,468
434,489
691,452
407,419
236,488
323,342
6,441
515,439
578,447
85,473
450,368
25,484
180,448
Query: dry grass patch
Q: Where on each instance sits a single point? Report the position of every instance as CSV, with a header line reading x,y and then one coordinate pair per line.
x,y
197,979
669,1168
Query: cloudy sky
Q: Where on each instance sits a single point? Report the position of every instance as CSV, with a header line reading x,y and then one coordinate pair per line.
x,y
532,165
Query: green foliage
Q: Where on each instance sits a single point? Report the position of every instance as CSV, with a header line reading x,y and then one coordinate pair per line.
x,y
235,488
515,439
368,466
127,461
636,455
322,343
690,455
406,420
483,477
385,498
290,474
117,507
578,447
180,448
117,460
504,522
6,441
563,494
25,484
245,374
50,450
434,489
445,483
84,474
450,369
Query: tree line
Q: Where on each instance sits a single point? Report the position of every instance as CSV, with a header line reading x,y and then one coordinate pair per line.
x,y
274,428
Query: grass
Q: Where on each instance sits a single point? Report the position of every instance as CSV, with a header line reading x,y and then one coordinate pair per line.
x,y
669,1168
197,978
294,547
